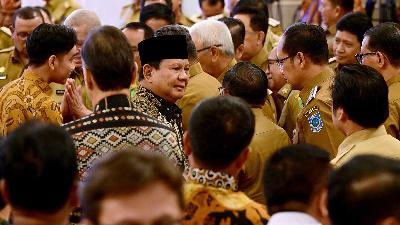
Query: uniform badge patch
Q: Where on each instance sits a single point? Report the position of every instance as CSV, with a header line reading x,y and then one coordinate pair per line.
x,y
316,123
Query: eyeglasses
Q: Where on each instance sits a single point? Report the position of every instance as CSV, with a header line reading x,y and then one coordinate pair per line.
x,y
360,56
200,50
280,62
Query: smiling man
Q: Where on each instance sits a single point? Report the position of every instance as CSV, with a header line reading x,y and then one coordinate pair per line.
x,y
51,50
163,79
349,35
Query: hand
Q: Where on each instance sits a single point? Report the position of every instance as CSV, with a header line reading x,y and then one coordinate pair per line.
x,y
73,96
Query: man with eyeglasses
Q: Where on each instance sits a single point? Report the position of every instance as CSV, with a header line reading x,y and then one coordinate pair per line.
x,y
214,46
285,99
302,56
380,49
14,59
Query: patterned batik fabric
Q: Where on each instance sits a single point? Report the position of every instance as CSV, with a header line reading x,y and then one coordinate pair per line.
x,y
28,97
118,127
147,102
212,198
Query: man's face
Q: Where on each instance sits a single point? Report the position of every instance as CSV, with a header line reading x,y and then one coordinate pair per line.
x,y
345,47
369,58
327,10
139,207
204,56
81,34
156,23
134,36
287,66
7,9
252,44
170,80
64,66
22,30
211,10
274,75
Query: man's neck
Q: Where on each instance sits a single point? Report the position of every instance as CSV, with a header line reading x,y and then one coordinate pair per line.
x,y
98,95
22,57
220,67
350,128
35,218
312,72
42,72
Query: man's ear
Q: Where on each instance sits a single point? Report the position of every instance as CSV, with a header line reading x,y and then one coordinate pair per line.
x,y
239,51
323,203
147,73
89,80
4,191
134,73
381,60
242,158
261,37
73,195
215,52
52,62
302,60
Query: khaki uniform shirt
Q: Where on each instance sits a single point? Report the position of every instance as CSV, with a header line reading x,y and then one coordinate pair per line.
x,y
269,108
392,123
230,65
314,124
28,97
290,112
261,59
5,38
271,41
11,66
268,138
60,9
211,197
367,141
201,85
330,38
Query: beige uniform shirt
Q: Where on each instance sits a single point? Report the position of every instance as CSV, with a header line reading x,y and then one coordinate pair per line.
x,y
5,38
268,138
222,75
367,141
28,97
201,85
314,123
291,109
130,13
60,9
330,38
392,123
11,66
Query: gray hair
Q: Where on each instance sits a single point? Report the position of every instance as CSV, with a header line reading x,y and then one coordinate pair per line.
x,y
83,17
213,32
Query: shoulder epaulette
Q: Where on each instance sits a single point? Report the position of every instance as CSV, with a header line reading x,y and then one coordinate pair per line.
x,y
6,30
332,60
273,22
313,94
9,49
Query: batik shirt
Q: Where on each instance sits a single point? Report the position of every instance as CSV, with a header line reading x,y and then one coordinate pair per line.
x,y
211,198
147,102
113,126
28,97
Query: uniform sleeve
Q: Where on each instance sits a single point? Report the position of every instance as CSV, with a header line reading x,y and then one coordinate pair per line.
x,y
50,112
392,122
316,127
10,120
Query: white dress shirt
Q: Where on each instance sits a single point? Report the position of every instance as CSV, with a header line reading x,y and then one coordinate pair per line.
x,y
292,218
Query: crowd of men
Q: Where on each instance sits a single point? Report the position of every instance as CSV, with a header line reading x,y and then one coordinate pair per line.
x,y
220,118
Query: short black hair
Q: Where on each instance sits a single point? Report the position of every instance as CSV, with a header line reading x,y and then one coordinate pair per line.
x,y
137,168
40,167
45,10
355,23
346,5
258,18
247,81
110,73
148,32
258,4
168,3
362,93
26,13
364,191
294,174
385,38
213,2
237,30
159,11
220,128
308,39
47,40
2,152
176,29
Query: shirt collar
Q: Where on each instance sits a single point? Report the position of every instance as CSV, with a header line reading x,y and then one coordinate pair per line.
x,y
33,77
394,79
230,65
289,218
195,69
113,101
285,90
211,178
260,58
316,81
